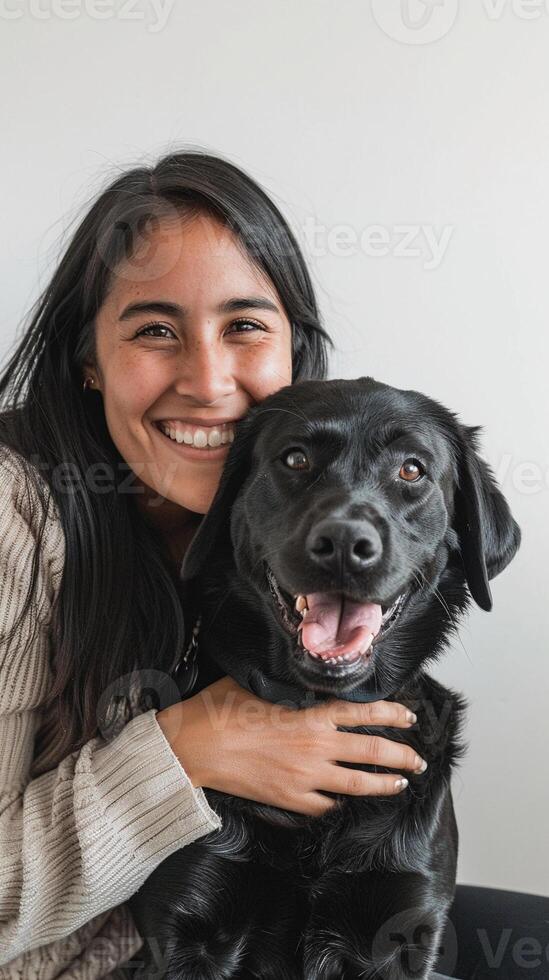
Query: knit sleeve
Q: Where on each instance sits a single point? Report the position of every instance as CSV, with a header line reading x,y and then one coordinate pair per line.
x,y
82,838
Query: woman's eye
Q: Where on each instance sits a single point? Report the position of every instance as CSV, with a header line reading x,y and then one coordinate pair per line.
x,y
153,326
252,323
411,471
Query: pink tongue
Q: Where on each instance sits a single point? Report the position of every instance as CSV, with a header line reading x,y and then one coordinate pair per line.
x,y
333,625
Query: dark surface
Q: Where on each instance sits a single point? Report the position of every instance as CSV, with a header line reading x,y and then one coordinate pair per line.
x,y
496,935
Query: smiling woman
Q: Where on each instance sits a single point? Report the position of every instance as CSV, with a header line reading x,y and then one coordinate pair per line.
x,y
181,301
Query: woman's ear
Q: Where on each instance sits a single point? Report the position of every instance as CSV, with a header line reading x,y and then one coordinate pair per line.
x,y
488,535
215,526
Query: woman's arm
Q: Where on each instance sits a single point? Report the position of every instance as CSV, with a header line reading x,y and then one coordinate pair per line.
x,y
82,838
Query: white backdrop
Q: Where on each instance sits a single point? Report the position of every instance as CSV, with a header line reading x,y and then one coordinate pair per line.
x,y
408,145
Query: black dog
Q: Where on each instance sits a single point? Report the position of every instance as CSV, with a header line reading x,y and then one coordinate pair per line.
x,y
373,504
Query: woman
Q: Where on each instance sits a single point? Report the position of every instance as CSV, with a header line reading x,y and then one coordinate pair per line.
x,y
181,301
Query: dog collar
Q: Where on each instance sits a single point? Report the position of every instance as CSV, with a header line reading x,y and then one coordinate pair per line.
x,y
257,682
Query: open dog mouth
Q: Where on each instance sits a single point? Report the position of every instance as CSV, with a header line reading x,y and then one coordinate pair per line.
x,y
334,631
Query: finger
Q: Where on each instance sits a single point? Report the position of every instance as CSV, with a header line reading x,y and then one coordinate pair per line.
x,y
354,782
376,751
355,713
317,805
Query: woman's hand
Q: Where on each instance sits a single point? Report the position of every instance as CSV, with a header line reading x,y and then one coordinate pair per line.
x,y
230,740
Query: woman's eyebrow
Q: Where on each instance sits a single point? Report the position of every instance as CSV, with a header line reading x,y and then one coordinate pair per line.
x,y
175,310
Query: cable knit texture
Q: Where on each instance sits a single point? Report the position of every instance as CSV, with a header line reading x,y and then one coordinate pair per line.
x,y
79,835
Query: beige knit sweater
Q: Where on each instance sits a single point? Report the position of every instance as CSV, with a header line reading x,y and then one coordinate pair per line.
x,y
79,835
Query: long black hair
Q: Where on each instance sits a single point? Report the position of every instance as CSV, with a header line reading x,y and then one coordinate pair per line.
x,y
118,608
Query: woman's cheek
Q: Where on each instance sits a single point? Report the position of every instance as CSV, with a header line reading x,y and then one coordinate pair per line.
x,y
271,374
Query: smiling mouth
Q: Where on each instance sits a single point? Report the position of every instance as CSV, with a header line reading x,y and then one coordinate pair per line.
x,y
203,439
335,634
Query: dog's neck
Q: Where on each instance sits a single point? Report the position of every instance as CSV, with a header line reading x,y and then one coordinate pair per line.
x,y
265,687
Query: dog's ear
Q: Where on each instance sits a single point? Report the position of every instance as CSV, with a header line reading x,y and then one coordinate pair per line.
x,y
215,522
488,535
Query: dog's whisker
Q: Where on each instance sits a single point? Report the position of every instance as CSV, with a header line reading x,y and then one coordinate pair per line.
x,y
320,476
423,582
223,599
286,411
437,594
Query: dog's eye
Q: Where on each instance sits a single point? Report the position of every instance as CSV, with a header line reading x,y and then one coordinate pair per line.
x,y
411,471
296,459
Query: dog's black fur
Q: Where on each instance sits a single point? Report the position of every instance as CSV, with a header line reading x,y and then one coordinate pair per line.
x,y
364,890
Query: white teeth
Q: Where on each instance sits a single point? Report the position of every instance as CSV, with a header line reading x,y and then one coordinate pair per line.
x,y
352,656
301,604
214,437
333,661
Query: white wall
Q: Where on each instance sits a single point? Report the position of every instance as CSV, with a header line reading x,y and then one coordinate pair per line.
x,y
347,126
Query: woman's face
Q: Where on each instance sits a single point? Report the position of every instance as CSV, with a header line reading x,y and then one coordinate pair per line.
x,y
186,359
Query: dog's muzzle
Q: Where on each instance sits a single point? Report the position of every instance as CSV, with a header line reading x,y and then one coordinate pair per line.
x,y
334,631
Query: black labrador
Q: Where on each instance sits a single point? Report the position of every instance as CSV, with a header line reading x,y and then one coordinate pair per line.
x,y
346,508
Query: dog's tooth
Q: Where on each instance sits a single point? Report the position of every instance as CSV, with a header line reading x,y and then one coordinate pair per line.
x,y
352,656
368,643
301,603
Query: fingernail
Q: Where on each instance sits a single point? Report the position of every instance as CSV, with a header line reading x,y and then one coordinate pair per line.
x,y
410,716
421,764
400,783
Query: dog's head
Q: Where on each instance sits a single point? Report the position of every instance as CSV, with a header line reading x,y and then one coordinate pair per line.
x,y
355,509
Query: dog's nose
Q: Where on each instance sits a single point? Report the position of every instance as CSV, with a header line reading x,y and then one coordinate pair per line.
x,y
338,545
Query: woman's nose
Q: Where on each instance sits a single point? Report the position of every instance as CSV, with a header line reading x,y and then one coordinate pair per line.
x,y
207,373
